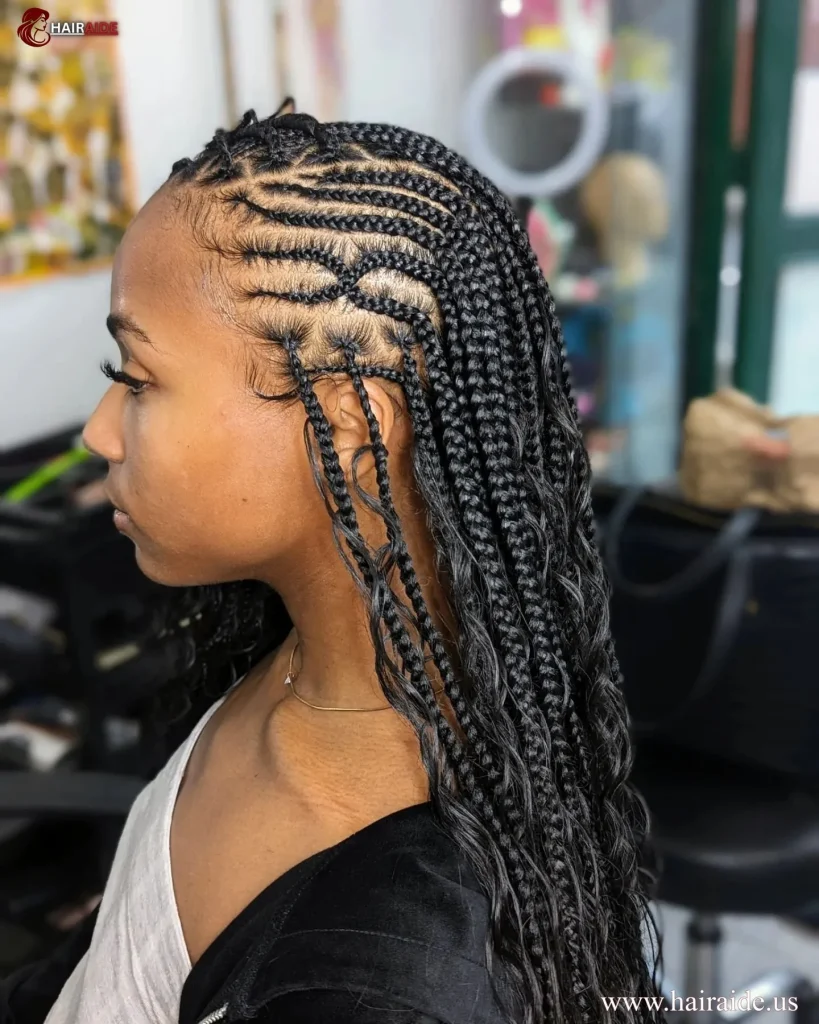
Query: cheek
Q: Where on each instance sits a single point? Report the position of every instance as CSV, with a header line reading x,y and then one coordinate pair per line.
x,y
219,484
258,477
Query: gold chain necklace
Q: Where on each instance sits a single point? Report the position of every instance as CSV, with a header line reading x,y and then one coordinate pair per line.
x,y
290,680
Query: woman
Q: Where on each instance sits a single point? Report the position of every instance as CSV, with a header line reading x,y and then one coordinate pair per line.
x,y
32,29
343,383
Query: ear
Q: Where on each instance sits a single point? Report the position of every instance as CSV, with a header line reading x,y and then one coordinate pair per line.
x,y
344,411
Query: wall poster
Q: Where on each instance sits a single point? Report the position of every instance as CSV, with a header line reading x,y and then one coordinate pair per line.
x,y
65,189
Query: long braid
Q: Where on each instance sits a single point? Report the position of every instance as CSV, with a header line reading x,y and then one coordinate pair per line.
x,y
606,713
530,443
375,307
487,390
400,639
614,757
509,636
619,805
413,236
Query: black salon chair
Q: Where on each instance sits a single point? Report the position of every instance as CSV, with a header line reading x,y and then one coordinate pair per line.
x,y
67,794
730,840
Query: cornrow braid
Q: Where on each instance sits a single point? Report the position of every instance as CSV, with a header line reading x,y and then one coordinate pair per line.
x,y
450,307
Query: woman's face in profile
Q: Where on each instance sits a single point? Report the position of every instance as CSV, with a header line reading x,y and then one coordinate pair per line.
x,y
212,483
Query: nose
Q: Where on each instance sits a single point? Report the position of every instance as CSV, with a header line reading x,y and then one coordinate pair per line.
x,y
103,432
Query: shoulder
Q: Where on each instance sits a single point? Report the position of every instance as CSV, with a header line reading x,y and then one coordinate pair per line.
x,y
393,914
402,875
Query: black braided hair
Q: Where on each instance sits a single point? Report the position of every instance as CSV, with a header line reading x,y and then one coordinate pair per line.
x,y
455,312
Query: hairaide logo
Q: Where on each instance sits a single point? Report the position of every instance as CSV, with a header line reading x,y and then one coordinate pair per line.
x,y
33,29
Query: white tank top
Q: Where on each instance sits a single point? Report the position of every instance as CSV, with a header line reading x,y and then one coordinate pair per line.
x,y
137,963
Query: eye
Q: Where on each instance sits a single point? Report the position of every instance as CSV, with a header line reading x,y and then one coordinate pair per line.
x,y
134,385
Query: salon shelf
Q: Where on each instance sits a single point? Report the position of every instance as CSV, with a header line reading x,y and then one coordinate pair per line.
x,y
76,558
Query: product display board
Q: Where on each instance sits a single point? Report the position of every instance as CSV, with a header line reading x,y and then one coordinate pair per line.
x,y
65,196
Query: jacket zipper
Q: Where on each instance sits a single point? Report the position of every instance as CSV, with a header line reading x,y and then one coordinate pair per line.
x,y
217,1015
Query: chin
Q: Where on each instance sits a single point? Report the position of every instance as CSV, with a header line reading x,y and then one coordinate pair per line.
x,y
164,571
170,572
155,571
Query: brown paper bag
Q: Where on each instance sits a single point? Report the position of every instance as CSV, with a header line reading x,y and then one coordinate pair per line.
x,y
736,452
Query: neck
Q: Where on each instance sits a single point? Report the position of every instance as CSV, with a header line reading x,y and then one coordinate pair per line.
x,y
335,661
356,766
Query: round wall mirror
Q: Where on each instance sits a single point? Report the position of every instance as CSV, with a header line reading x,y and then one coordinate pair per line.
x,y
526,146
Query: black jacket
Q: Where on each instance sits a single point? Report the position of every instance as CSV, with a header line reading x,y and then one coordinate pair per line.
x,y
388,926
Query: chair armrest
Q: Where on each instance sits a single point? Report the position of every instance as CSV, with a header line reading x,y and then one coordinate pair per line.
x,y
67,794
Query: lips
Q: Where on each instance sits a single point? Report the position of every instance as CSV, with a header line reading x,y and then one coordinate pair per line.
x,y
121,517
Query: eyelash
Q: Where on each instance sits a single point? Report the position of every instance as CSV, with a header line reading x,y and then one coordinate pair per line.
x,y
134,385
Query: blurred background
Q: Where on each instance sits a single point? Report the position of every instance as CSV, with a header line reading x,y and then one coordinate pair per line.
x,y
664,157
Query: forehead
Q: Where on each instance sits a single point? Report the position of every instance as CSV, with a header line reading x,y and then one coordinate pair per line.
x,y
157,257
171,287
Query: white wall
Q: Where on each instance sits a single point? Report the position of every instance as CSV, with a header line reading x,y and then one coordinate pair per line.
x,y
253,55
406,62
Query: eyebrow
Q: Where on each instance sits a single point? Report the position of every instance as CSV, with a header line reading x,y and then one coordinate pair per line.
x,y
118,324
